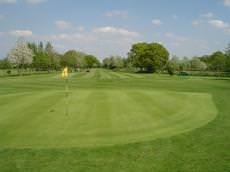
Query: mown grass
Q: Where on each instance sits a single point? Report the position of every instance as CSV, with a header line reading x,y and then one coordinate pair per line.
x,y
27,108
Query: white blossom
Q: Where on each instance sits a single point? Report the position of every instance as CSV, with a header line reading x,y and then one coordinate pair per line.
x,y
21,54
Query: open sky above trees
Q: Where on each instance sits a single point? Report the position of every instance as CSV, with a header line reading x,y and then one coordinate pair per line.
x,y
110,27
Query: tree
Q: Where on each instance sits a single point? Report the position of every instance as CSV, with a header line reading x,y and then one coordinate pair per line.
x,y
41,59
227,55
185,64
91,61
107,62
227,50
170,68
148,57
197,64
113,62
227,63
41,45
126,63
80,56
69,59
118,62
175,63
21,56
53,56
217,61
5,64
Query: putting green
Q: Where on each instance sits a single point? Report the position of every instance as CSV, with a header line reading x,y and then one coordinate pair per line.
x,y
99,117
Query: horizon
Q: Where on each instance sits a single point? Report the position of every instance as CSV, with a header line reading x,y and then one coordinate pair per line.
x,y
110,27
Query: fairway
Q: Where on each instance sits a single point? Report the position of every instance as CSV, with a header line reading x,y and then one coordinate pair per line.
x,y
108,111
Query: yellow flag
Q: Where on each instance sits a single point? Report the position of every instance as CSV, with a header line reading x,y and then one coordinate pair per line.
x,y
65,72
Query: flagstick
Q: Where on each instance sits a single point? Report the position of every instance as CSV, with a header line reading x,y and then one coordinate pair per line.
x,y
65,76
66,96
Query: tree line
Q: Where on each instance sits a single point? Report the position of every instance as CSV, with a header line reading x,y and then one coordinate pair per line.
x,y
142,57
40,57
216,62
154,57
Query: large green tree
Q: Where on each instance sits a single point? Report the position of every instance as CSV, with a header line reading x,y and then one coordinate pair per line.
x,y
149,57
217,61
70,59
91,61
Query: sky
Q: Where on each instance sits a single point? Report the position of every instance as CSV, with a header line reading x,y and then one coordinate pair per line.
x,y
110,27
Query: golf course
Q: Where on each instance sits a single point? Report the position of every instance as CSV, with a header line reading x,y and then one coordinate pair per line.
x,y
114,121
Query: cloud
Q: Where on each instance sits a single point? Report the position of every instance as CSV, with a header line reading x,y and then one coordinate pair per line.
x,y
72,37
196,23
208,15
157,22
227,31
8,1
117,41
81,28
61,24
113,30
175,37
21,33
34,2
227,3
174,40
168,35
62,36
175,44
117,13
59,46
219,24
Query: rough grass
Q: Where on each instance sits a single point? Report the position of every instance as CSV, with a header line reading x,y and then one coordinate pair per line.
x,y
135,123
